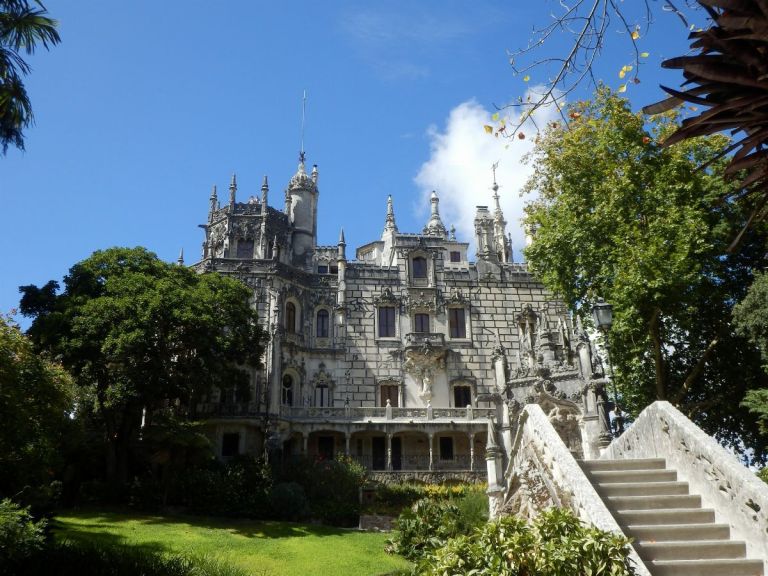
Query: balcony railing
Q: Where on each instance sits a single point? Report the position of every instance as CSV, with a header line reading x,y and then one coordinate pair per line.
x,y
422,339
421,463
384,413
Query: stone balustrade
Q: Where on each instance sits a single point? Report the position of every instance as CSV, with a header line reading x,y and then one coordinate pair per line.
x,y
736,493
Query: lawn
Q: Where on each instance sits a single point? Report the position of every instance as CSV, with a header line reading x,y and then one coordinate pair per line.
x,y
260,548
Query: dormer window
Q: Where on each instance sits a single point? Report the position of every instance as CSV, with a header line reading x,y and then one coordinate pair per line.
x,y
419,267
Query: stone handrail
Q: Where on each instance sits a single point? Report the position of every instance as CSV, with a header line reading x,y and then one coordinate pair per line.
x,y
737,495
387,413
539,453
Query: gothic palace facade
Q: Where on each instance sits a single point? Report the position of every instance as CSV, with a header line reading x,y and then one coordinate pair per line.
x,y
404,357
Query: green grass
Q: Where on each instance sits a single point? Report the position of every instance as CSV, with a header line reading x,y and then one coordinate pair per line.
x,y
260,548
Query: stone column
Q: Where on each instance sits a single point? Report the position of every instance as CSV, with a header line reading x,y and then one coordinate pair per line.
x,y
602,413
471,451
389,452
431,451
347,438
304,443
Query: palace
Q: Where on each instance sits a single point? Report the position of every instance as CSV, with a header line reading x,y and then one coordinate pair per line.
x,y
400,357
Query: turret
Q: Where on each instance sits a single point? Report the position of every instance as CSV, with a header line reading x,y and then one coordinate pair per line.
x,y
341,290
214,203
435,226
389,223
264,194
302,194
484,234
180,259
232,191
499,228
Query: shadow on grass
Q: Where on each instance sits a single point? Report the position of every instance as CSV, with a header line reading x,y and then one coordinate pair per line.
x,y
94,523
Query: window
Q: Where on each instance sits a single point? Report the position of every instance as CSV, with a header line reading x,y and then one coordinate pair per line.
x,y
462,396
322,269
455,256
287,397
390,392
446,448
244,248
457,322
290,317
386,322
419,267
421,322
322,323
334,269
230,444
322,398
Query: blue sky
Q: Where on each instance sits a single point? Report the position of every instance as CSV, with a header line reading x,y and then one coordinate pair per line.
x,y
145,105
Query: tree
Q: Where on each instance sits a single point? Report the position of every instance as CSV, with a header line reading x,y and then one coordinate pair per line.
x,y
35,399
139,334
22,28
727,79
620,217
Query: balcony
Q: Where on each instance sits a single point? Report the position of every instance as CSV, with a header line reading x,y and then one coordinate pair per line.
x,y
385,414
424,340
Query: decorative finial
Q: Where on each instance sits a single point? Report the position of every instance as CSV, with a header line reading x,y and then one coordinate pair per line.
x,y
180,260
265,183
274,248
232,189
453,232
213,193
264,194
390,225
493,169
314,173
341,237
302,155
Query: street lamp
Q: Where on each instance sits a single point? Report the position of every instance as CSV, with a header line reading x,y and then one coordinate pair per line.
x,y
602,314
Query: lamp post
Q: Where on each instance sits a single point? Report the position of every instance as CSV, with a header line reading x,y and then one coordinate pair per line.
x,y
602,314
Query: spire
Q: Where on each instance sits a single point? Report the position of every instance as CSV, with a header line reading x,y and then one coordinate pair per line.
x,y
389,224
435,226
341,250
264,193
232,190
180,260
214,203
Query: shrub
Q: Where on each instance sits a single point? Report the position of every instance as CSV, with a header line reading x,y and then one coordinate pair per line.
x,y
20,535
288,501
239,488
332,487
81,559
425,527
557,543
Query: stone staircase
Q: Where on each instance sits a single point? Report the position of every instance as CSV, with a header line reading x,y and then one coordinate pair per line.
x,y
672,533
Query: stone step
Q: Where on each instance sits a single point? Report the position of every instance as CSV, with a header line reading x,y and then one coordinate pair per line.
x,y
706,567
679,532
628,464
675,501
642,488
624,476
700,550
668,517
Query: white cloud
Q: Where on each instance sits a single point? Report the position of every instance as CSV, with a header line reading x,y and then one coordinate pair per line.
x,y
459,169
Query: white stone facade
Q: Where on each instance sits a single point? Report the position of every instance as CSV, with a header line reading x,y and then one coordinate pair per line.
x,y
398,357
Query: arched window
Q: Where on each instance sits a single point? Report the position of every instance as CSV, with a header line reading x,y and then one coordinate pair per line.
x,y
287,395
419,267
290,317
322,323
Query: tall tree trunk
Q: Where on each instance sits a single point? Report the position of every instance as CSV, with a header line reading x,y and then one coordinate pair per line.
x,y
658,358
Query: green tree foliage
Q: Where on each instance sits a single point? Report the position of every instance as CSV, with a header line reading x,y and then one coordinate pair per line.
x,y
751,315
620,217
35,398
22,27
20,535
139,334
